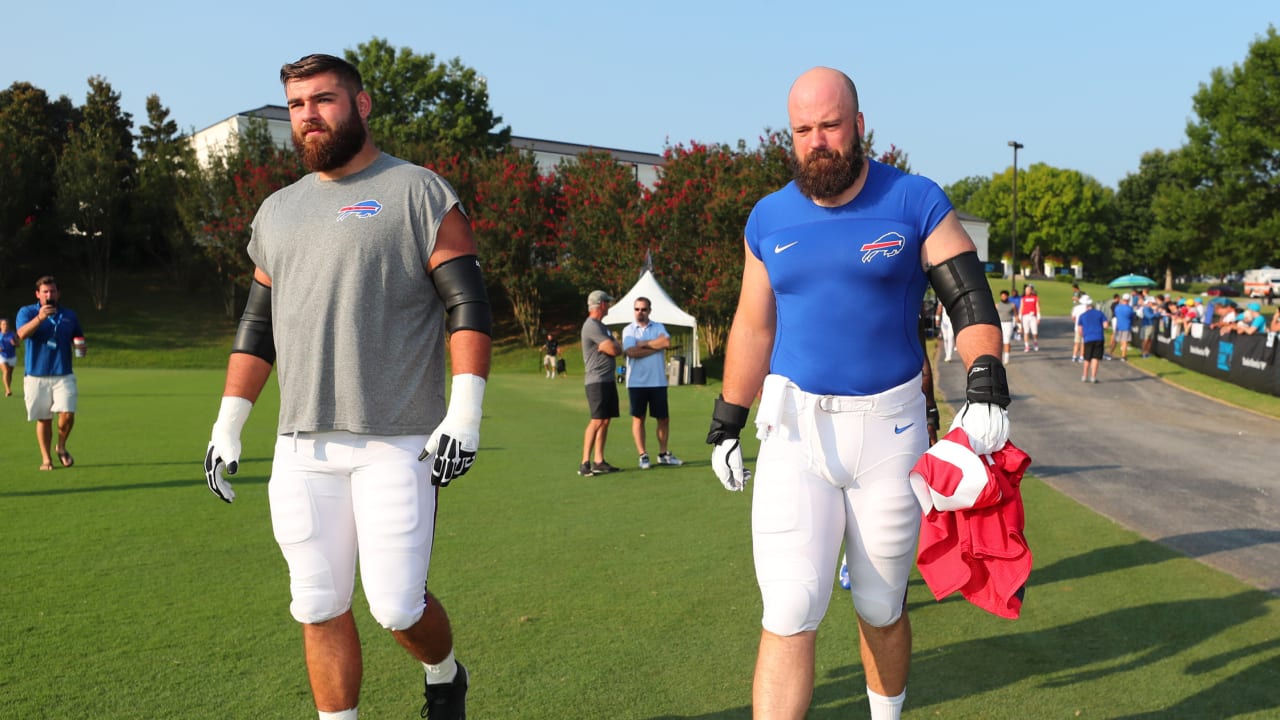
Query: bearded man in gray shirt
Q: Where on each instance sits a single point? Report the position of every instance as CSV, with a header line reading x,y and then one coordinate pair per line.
x,y
361,267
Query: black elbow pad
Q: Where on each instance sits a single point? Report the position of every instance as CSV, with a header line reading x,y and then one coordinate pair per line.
x,y
461,287
963,290
254,335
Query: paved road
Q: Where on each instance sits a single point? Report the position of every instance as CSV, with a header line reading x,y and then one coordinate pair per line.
x,y
1186,471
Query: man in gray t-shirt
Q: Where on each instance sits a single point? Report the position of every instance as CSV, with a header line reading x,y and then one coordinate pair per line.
x,y
361,267
599,361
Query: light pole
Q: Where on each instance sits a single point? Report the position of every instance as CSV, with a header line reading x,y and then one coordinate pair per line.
x,y
1013,244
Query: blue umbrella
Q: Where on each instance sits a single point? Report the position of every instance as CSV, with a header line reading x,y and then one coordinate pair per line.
x,y
1132,281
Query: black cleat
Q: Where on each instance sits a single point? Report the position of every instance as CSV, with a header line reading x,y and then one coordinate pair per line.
x,y
447,701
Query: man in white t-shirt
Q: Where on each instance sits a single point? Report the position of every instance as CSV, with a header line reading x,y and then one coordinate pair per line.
x,y
643,342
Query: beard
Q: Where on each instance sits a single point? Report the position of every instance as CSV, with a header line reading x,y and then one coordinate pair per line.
x,y
335,148
827,173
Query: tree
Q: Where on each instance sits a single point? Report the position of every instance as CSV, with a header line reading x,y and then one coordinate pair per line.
x,y
1233,154
694,219
164,158
514,214
1151,234
423,109
219,200
1060,212
32,134
961,191
94,177
895,156
599,242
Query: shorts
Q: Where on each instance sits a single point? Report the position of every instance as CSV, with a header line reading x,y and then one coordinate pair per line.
x,y
336,496
652,398
602,400
1148,332
549,361
1006,331
49,394
837,469
1031,324
10,361
1093,350
1122,336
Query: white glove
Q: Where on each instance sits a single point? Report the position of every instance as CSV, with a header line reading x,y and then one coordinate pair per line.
x,y
456,440
986,424
224,446
726,461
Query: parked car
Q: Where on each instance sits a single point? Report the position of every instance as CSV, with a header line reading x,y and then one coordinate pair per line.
x,y
1223,291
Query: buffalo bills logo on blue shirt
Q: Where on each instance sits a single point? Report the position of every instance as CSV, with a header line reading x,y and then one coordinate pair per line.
x,y
890,243
362,209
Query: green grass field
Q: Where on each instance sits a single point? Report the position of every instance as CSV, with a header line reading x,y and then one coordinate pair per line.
x,y
129,591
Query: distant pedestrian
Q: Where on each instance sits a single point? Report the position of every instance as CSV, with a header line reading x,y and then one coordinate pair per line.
x,y
599,353
1008,309
8,354
551,356
1122,330
1029,313
1092,324
49,386
643,342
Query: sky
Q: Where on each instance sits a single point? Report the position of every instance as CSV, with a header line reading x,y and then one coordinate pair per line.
x,y
1088,86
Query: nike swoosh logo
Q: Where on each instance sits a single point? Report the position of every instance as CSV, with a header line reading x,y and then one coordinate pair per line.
x,y
779,248
899,430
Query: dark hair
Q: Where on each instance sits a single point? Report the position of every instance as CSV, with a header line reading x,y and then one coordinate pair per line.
x,y
46,280
318,63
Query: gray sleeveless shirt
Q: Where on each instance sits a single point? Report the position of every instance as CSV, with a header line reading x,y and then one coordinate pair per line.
x,y
359,329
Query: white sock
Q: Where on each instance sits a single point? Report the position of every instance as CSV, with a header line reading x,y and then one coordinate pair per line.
x,y
340,715
886,708
445,672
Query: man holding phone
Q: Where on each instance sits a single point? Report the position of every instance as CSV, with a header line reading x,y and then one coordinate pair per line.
x,y
50,332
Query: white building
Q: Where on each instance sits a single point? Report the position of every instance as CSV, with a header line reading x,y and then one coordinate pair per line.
x,y
978,230
547,153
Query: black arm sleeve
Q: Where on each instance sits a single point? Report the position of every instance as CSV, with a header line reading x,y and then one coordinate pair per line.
x,y
254,335
963,290
461,286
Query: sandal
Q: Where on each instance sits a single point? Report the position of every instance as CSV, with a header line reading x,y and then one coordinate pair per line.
x,y
65,458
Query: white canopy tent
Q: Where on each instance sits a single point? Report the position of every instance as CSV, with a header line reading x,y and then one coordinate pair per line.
x,y
664,311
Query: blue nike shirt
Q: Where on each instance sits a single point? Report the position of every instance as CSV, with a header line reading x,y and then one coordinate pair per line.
x,y
848,281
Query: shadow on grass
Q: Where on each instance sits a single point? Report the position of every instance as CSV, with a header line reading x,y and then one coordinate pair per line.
x,y
1113,642
194,479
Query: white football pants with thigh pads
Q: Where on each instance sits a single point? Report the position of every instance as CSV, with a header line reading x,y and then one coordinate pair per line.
x,y
338,494
835,468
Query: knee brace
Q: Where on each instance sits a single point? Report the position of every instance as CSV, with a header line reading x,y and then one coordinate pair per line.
x,y
792,607
315,603
401,615
880,610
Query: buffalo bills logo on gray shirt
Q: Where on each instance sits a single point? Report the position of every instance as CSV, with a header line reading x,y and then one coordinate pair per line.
x,y
362,209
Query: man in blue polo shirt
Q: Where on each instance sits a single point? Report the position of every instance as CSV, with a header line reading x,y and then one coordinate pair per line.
x,y
49,387
643,342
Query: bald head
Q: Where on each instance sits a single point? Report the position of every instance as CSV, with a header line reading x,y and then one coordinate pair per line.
x,y
826,135
826,86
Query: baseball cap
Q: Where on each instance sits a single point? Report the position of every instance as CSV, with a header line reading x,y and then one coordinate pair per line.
x,y
1124,296
1255,307
598,296
1086,300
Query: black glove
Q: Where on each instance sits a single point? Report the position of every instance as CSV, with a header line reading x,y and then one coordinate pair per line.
x,y
987,382
727,421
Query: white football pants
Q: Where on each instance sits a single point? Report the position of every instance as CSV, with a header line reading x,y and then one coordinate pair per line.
x,y
832,469
338,495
